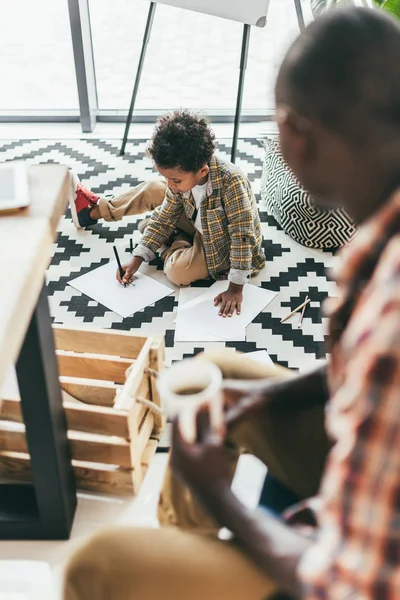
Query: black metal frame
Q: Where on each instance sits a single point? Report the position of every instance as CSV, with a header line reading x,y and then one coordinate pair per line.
x,y
299,12
243,65
45,509
242,72
146,38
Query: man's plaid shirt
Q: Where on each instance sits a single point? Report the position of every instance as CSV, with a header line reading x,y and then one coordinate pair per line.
x,y
231,225
358,553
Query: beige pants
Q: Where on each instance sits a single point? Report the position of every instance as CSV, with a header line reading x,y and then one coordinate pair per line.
x,y
172,564
184,260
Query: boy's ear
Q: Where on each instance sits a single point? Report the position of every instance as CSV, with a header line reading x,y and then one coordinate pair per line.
x,y
205,169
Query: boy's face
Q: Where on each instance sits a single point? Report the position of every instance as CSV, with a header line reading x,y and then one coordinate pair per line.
x,y
182,181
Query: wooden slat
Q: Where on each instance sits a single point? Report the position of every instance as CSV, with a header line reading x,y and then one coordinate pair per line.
x,y
123,344
11,411
137,410
145,431
90,391
134,378
92,366
156,363
84,447
89,419
97,419
109,479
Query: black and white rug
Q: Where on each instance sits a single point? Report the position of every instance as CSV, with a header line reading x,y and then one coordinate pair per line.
x,y
291,269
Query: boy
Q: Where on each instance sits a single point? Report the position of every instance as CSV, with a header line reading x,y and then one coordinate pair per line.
x,y
204,213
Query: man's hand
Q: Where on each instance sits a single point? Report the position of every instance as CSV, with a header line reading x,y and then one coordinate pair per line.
x,y
242,404
266,540
130,270
203,466
230,300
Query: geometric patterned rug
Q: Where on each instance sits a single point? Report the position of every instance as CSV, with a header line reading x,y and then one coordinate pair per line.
x,y
291,269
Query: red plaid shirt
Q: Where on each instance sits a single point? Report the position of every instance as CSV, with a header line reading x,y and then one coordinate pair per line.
x,y
358,552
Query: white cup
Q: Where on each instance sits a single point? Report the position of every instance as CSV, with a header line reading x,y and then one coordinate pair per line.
x,y
205,379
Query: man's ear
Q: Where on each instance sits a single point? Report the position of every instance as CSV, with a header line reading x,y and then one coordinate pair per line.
x,y
296,136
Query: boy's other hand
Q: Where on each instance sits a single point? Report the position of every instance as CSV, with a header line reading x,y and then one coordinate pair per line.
x,y
230,300
130,270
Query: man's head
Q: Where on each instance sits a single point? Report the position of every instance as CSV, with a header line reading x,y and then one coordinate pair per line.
x,y
338,108
181,147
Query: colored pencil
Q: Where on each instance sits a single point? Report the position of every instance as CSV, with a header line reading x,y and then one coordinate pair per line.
x,y
295,311
300,323
121,270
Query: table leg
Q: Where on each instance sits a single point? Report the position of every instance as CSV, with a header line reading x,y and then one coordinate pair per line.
x,y
46,428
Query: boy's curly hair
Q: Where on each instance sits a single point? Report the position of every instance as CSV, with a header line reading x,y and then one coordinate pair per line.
x,y
182,139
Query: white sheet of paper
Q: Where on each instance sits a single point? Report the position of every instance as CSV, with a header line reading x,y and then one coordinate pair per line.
x,y
260,356
255,299
102,286
189,329
25,580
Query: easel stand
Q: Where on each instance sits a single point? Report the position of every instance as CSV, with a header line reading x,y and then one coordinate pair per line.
x,y
242,72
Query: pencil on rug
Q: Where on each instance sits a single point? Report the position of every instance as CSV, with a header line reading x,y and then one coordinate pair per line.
x,y
300,323
295,311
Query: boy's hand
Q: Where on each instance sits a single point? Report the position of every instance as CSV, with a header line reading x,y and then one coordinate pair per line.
x,y
230,300
130,270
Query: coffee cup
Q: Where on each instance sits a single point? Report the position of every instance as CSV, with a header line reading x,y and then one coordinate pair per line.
x,y
185,388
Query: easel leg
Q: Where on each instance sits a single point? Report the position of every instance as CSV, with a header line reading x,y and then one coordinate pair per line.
x,y
243,65
146,38
299,12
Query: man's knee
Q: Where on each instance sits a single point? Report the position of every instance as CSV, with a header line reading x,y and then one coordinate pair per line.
x,y
98,564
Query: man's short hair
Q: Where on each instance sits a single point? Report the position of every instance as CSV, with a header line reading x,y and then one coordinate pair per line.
x,y
344,71
182,139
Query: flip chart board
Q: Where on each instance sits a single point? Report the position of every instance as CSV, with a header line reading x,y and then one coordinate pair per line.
x,y
251,12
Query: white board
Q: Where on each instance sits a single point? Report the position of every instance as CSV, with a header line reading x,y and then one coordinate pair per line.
x,y
251,12
101,285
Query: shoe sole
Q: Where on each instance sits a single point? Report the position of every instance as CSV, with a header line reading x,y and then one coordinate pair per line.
x,y
74,214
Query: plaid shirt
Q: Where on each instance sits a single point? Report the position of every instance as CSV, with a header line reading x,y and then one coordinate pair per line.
x,y
231,225
358,552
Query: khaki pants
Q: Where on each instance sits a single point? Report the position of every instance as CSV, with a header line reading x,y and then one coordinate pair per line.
x,y
184,260
174,564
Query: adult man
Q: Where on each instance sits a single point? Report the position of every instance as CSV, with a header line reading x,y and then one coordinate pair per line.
x,y
338,110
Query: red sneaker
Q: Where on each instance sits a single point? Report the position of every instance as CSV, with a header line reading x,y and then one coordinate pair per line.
x,y
82,201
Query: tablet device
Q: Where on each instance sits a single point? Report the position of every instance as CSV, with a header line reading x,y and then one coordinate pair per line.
x,y
14,186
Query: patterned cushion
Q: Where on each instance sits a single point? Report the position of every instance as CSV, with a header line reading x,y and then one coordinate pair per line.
x,y
294,209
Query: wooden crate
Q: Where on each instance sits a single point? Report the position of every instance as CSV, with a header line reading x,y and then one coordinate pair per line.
x,y
108,379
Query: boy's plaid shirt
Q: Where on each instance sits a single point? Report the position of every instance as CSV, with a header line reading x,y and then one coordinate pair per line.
x,y
358,553
231,225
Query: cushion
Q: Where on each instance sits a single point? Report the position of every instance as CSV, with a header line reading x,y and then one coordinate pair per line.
x,y
296,211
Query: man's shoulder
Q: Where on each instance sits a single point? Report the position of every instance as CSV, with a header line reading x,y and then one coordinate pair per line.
x,y
379,309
